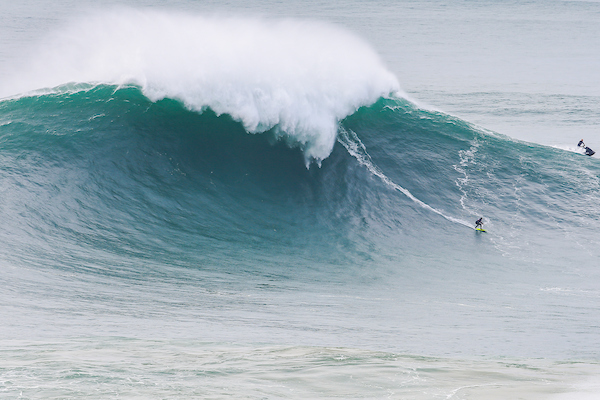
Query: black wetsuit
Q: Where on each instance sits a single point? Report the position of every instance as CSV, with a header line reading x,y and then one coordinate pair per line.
x,y
479,223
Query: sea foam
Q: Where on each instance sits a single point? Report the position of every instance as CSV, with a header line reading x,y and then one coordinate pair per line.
x,y
299,78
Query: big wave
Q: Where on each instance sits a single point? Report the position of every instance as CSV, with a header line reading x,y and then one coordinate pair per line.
x,y
298,77
107,157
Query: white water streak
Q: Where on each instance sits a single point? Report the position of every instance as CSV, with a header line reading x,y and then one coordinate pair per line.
x,y
350,140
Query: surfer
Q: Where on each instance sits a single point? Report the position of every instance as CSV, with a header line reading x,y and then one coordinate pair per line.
x,y
479,223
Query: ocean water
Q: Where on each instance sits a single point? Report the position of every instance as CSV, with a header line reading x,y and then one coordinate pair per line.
x,y
275,200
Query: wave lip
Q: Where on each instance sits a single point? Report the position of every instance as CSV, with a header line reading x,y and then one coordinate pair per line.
x,y
299,78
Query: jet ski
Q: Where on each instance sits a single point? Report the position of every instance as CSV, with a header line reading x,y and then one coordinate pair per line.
x,y
586,150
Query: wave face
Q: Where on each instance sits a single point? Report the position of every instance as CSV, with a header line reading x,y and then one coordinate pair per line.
x,y
298,76
104,182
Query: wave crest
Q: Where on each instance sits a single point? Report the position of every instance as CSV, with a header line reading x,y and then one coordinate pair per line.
x,y
299,78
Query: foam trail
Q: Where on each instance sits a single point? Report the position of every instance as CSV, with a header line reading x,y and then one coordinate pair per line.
x,y
350,140
299,78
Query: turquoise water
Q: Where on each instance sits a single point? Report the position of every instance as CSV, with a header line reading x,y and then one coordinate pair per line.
x,y
201,205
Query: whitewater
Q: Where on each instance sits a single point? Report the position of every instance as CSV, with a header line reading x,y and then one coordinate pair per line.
x,y
299,76
276,200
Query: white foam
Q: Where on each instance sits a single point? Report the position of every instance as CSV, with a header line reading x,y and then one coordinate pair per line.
x,y
587,389
299,77
574,149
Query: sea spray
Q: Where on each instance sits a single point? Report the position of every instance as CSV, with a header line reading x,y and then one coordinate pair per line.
x,y
297,78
